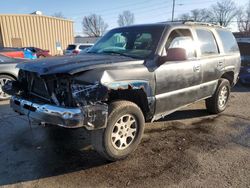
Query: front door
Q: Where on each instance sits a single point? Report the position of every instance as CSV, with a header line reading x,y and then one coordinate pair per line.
x,y
178,82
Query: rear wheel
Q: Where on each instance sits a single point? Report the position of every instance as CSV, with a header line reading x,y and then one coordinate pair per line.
x,y
3,80
218,102
123,132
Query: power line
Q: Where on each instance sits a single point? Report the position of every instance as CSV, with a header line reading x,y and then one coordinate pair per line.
x,y
140,9
161,3
144,10
124,7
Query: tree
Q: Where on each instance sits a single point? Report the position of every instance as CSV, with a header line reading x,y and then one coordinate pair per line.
x,y
59,15
243,19
94,25
197,15
224,12
126,18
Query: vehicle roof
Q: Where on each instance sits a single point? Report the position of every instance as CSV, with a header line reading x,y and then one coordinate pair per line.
x,y
9,49
243,43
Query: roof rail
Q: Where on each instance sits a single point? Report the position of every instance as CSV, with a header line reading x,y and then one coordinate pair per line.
x,y
188,22
173,22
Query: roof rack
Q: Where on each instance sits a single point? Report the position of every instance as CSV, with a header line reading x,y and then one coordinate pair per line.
x,y
172,22
189,22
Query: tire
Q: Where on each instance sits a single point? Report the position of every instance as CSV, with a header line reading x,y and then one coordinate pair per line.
x,y
123,133
3,80
218,102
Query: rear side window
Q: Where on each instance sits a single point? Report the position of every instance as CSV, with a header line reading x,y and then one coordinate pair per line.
x,y
82,47
228,41
207,42
71,47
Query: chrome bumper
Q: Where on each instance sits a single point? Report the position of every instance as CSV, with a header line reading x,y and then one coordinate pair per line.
x,y
91,117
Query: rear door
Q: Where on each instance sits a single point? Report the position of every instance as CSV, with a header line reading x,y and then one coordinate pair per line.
x,y
211,61
230,51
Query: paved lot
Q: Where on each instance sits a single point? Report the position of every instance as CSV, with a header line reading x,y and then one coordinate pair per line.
x,y
189,148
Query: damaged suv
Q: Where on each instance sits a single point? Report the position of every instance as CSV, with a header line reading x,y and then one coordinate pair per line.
x,y
132,75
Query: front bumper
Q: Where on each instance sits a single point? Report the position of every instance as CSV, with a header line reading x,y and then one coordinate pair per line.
x,y
91,116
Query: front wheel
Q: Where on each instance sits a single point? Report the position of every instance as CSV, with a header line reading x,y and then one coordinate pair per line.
x,y
123,132
218,102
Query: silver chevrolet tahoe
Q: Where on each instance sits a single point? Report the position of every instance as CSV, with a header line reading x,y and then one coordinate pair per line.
x,y
132,75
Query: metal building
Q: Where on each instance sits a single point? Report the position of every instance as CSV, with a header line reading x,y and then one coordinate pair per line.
x,y
33,30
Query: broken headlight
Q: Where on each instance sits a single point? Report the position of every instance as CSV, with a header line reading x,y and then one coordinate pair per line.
x,y
84,94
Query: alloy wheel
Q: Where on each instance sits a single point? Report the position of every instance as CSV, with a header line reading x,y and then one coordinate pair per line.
x,y
223,97
124,132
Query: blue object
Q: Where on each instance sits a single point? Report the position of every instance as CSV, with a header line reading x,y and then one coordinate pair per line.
x,y
245,75
29,54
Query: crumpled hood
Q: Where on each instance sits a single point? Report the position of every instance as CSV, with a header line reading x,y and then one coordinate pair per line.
x,y
75,64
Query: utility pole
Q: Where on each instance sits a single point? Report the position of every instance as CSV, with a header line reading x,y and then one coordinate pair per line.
x,y
173,10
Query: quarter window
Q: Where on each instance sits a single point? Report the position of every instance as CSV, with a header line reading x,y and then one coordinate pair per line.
x,y
228,41
207,42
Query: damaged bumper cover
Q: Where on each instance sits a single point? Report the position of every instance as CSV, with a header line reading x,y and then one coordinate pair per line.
x,y
90,116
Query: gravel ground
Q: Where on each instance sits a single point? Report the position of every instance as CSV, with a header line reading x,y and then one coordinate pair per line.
x,y
189,148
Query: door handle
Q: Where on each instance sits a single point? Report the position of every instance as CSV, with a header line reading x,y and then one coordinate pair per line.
x,y
197,68
220,64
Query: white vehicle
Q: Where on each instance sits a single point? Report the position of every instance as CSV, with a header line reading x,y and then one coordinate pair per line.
x,y
75,49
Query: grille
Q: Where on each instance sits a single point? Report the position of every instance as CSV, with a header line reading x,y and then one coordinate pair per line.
x,y
51,89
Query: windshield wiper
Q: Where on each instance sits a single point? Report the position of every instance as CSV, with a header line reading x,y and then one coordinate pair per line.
x,y
112,52
118,53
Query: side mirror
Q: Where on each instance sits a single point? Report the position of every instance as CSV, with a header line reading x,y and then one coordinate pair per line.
x,y
174,54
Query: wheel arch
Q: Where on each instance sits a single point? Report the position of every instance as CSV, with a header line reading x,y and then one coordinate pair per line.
x,y
8,74
138,92
229,75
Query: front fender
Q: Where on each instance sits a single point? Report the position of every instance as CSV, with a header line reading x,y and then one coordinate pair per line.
x,y
130,85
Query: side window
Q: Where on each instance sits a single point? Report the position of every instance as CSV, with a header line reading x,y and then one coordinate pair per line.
x,y
181,38
143,41
207,42
228,41
82,47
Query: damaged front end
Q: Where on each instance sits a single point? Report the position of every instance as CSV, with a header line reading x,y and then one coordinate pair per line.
x,y
59,100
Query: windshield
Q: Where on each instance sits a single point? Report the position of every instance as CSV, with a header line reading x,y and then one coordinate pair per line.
x,y
136,42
